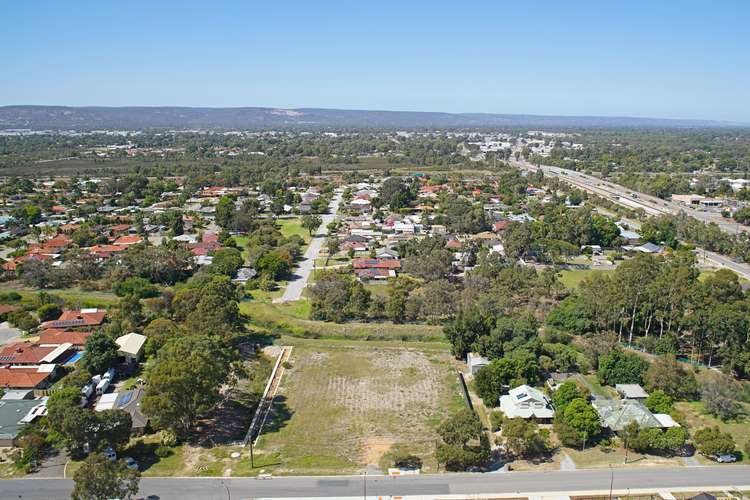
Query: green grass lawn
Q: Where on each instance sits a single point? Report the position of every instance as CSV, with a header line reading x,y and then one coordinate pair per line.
x,y
289,227
572,277
697,417
75,297
291,319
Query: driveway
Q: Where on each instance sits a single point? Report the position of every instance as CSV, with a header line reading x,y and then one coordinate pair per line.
x,y
298,282
8,333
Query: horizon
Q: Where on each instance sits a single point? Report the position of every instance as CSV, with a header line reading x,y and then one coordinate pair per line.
x,y
683,61
457,113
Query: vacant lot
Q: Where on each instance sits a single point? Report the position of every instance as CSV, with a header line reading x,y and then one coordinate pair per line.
x,y
340,409
697,417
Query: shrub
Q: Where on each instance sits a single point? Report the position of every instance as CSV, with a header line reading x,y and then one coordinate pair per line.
x,y
163,451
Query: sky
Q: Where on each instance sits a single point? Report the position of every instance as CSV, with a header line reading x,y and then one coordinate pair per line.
x,y
666,59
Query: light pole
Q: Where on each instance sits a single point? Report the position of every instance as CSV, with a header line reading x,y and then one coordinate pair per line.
x,y
611,480
364,486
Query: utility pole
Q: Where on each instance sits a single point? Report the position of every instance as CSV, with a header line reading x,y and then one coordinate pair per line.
x,y
611,480
364,486
252,458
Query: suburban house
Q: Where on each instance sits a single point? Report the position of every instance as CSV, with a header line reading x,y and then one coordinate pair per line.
x,y
616,414
475,362
526,402
37,378
631,391
129,401
131,347
14,414
85,319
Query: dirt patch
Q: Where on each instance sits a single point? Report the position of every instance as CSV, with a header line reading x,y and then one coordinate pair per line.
x,y
374,448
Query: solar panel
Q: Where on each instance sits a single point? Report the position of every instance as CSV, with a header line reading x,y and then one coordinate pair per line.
x,y
125,399
68,322
6,358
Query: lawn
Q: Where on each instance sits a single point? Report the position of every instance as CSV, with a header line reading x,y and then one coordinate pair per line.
x,y
343,407
697,418
595,457
74,297
291,319
572,277
289,227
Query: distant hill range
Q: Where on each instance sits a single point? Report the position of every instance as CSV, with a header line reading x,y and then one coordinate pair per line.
x,y
184,118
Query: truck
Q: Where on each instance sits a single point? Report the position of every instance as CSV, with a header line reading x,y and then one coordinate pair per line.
x,y
102,386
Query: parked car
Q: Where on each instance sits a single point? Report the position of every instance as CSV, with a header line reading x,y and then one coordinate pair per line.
x,y
131,463
110,454
724,459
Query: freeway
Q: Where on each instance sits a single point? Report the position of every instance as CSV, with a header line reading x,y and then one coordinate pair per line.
x,y
649,204
656,478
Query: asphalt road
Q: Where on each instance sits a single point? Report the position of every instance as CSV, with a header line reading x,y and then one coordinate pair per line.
x,y
8,333
656,478
652,206
297,284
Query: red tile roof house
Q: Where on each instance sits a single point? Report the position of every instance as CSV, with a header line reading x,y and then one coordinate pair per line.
x,y
28,354
128,240
85,319
54,337
27,377
376,264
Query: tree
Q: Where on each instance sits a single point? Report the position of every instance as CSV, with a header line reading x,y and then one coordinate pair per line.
x,y
226,261
619,367
658,402
158,332
522,438
70,424
710,441
333,244
570,316
672,377
225,212
720,394
273,265
567,392
460,428
311,222
113,428
49,312
184,381
100,353
136,286
99,478
580,422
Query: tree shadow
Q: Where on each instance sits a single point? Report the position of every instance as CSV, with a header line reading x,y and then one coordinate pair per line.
x,y
279,415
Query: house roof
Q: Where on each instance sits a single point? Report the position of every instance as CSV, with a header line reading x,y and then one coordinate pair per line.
x,y
631,391
12,414
376,264
24,353
23,378
131,343
76,318
57,337
526,402
616,414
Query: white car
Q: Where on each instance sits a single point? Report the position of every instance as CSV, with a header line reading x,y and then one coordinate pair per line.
x,y
110,454
131,463
724,459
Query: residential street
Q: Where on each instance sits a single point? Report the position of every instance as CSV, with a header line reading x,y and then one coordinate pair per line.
x,y
298,283
701,478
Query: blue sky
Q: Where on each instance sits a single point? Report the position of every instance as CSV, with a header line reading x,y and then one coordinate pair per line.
x,y
671,59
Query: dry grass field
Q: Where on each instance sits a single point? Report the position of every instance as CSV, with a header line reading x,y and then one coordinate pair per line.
x,y
343,408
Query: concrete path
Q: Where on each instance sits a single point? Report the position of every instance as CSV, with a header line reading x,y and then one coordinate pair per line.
x,y
305,267
567,463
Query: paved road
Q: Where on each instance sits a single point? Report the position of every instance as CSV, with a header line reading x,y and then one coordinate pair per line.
x,y
294,289
652,206
657,478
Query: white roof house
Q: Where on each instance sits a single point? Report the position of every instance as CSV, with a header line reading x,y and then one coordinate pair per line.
x,y
476,362
631,391
131,345
526,402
